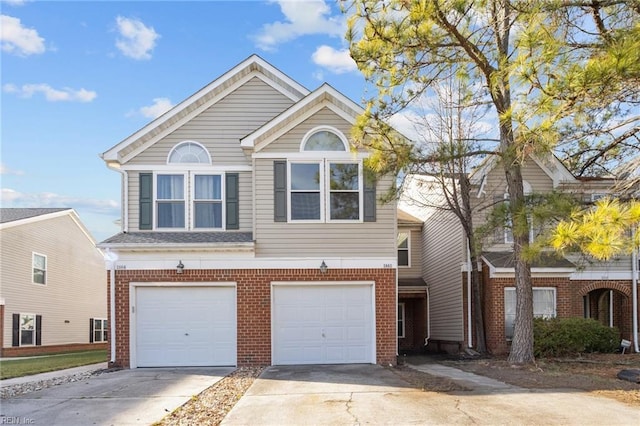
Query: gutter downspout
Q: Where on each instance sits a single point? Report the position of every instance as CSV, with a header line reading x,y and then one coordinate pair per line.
x,y
426,340
634,288
469,324
111,259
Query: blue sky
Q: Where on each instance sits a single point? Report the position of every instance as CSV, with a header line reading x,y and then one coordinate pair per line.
x,y
78,77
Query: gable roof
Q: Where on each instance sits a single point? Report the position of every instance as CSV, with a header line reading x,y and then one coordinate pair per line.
x,y
11,217
550,165
16,214
252,67
323,97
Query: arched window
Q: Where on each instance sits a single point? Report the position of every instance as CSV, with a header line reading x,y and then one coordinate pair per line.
x,y
324,139
189,152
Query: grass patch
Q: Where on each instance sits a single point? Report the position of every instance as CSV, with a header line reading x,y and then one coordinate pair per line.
x,y
42,364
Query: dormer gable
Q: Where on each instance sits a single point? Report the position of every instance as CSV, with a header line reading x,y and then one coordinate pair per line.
x,y
252,67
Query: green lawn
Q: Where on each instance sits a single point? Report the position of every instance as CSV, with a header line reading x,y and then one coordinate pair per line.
x,y
42,364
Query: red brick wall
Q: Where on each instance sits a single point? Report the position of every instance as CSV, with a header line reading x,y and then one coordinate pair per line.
x,y
569,303
254,305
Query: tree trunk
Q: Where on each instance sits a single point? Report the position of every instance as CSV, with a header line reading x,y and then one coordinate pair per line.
x,y
477,301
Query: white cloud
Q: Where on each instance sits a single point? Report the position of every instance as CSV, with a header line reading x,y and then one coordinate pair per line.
x,y
12,198
16,2
17,39
155,110
65,94
4,170
136,39
303,17
336,61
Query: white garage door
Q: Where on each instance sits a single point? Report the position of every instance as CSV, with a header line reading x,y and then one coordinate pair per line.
x,y
322,324
185,326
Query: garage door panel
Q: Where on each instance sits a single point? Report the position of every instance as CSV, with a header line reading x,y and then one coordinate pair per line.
x,y
316,324
185,326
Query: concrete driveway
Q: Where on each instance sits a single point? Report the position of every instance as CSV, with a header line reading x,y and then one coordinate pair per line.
x,y
125,397
370,394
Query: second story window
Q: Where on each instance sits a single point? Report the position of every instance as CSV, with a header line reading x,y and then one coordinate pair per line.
x,y
207,201
170,201
39,268
403,249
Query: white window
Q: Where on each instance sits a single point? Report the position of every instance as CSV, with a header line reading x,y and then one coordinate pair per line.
x,y
189,152
27,329
325,190
401,320
99,330
544,306
404,259
39,265
170,201
324,139
207,201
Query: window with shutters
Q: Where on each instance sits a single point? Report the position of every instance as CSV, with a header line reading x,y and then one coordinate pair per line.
x,y
98,330
325,188
188,196
27,329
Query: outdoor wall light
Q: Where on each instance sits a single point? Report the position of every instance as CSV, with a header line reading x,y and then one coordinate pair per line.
x,y
180,267
323,268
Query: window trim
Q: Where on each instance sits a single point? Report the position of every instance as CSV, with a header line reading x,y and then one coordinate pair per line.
x,y
35,329
408,250
510,288
401,320
185,189
187,142
192,201
324,128
33,267
104,329
324,165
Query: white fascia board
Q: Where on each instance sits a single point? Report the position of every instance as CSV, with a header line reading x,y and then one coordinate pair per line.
x,y
322,96
35,219
174,247
560,175
197,261
337,155
601,275
535,272
191,167
112,154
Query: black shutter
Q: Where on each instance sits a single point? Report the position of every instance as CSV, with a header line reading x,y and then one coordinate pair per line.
x,y
369,196
280,191
15,330
146,201
38,330
90,330
231,202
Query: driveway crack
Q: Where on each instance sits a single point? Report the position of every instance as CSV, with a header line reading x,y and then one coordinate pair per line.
x,y
349,407
469,416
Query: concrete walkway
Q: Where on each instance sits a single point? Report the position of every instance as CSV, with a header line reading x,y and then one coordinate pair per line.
x,y
371,394
53,374
477,383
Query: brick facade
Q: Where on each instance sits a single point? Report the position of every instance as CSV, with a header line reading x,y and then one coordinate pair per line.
x,y
569,303
51,349
254,305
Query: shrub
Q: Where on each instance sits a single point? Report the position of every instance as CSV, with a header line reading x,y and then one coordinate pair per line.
x,y
558,337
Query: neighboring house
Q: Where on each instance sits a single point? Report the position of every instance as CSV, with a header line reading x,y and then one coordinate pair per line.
x,y
569,286
251,232
413,293
52,296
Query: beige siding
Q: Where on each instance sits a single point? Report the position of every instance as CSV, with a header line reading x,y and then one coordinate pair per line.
x,y
415,254
221,126
245,200
281,239
76,287
443,255
290,142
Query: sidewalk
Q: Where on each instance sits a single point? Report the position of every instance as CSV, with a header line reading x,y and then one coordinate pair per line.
x,y
52,374
478,382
